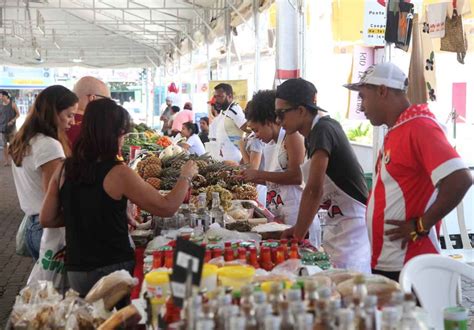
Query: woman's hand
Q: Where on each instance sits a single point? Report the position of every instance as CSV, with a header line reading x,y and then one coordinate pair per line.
x,y
189,169
250,175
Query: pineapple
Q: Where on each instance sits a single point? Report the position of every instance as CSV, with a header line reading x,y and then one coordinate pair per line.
x,y
178,164
151,171
199,181
155,182
153,160
201,164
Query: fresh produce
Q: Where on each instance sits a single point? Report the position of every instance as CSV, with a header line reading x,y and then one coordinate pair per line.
x,y
224,195
155,182
164,141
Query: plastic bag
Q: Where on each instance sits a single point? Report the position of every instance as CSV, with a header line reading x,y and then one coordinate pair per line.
x,y
20,248
112,288
50,265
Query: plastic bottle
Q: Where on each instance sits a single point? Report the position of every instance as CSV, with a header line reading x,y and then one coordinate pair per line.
x,y
275,296
242,254
284,244
345,318
390,318
217,213
169,259
287,320
359,290
157,259
370,309
228,254
409,321
311,295
249,315
246,296
202,213
294,251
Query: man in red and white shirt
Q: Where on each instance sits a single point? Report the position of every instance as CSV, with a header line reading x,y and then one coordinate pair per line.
x,y
420,177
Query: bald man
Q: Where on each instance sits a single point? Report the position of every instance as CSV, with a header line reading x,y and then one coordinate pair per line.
x,y
87,89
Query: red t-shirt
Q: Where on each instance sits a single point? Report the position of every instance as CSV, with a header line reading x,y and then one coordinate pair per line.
x,y
73,132
416,156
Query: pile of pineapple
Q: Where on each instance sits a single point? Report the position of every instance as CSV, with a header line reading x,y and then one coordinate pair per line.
x,y
163,174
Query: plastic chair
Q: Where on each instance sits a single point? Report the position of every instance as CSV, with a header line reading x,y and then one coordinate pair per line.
x,y
435,280
467,252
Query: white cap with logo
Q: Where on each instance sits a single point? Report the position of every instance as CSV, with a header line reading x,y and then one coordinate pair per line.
x,y
387,74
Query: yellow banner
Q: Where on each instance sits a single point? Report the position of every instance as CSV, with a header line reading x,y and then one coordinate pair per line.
x,y
240,88
28,82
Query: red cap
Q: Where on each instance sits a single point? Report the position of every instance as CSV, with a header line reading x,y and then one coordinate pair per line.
x,y
212,101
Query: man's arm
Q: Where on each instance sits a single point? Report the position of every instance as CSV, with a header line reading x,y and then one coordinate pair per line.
x,y
451,191
312,195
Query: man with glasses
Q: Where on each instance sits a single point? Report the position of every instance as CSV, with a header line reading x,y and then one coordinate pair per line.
x,y
333,178
87,89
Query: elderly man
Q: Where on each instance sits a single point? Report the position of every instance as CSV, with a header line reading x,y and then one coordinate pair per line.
x,y
87,89
420,177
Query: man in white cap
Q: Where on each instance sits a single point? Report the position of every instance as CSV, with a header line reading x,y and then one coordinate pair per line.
x,y
420,178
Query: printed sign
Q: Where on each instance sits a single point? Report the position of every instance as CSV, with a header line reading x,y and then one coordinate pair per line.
x,y
363,57
185,252
374,23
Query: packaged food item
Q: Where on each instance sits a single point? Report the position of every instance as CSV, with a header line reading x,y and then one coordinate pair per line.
x,y
112,288
125,318
456,318
235,276
377,285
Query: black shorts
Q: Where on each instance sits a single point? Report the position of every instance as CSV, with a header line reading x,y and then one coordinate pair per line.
x,y
9,134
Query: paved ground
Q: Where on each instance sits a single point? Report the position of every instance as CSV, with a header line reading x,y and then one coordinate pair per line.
x,y
14,269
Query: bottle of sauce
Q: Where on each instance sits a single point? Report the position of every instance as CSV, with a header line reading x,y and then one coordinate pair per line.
x,y
266,259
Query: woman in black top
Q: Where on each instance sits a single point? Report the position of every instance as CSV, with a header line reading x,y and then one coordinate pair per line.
x,y
89,196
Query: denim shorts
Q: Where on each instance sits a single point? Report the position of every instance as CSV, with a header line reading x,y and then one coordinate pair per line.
x,y
33,233
82,282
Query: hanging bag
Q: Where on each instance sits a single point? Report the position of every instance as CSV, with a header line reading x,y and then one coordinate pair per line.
x,y
21,248
454,39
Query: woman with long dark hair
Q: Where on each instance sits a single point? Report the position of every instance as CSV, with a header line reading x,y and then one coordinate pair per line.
x,y
37,150
89,196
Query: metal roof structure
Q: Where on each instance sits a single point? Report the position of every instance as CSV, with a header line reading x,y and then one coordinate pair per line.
x,y
112,33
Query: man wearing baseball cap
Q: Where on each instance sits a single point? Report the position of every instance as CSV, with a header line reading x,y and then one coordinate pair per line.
x,y
333,178
420,178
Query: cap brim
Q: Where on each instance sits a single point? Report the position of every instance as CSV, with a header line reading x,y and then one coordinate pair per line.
x,y
315,107
353,87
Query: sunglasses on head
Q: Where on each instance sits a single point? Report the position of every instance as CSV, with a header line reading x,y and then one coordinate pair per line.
x,y
100,96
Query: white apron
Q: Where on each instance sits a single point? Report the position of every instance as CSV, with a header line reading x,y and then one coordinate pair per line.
x,y
345,239
213,147
285,200
228,150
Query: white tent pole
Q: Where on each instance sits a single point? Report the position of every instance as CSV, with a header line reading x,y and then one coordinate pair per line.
x,y
257,44
227,42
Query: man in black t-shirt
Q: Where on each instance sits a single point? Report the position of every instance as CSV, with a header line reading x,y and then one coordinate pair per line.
x,y
333,178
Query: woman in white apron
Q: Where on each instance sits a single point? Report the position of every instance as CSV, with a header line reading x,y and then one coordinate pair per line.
x,y
283,156
345,236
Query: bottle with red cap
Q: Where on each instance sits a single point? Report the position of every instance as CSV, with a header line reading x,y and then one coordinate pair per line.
x,y
169,259
157,259
284,244
242,253
266,259
253,259
228,254
216,253
280,255
207,255
294,251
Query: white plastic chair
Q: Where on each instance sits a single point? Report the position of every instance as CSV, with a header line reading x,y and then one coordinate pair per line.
x,y
435,280
466,252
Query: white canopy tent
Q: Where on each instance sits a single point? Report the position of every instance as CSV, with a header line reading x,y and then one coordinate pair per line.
x,y
112,33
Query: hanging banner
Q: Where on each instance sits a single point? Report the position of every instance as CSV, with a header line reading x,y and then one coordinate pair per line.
x,y
240,88
363,57
374,23
287,66
459,101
